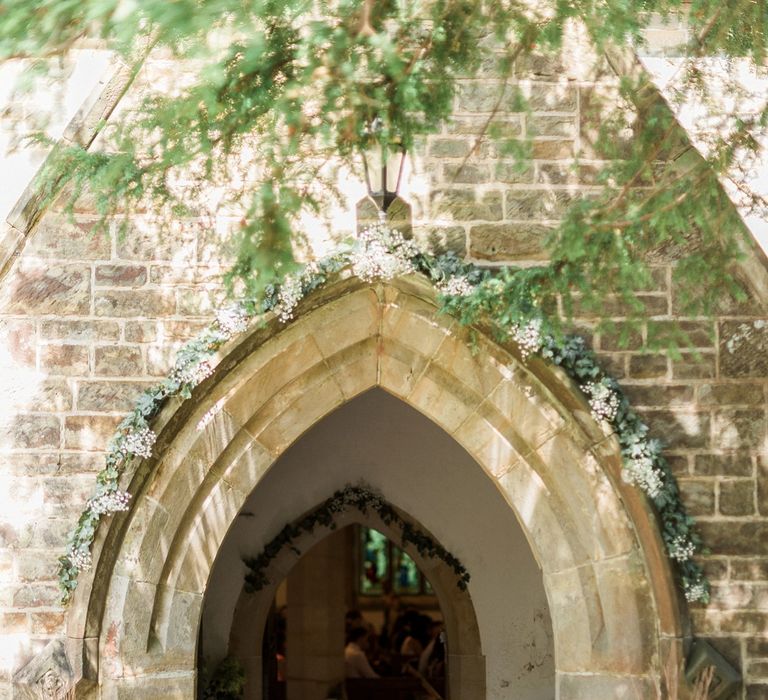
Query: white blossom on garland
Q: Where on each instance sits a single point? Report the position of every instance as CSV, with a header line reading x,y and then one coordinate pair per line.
x,y
382,253
503,297
603,399
527,336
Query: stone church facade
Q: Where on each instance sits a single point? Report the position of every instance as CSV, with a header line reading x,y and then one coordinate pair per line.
x,y
90,321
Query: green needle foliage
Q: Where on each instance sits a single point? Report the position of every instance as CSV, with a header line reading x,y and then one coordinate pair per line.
x,y
284,87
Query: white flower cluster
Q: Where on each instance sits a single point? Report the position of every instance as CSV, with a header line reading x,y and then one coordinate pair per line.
x,y
681,548
640,471
696,592
288,297
80,557
109,503
192,372
527,337
457,286
382,254
139,442
232,320
603,400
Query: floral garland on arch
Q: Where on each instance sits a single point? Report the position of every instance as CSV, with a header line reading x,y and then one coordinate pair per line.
x,y
502,297
362,498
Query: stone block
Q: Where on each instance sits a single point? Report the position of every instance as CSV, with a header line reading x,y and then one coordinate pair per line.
x,y
440,239
752,569
740,394
276,428
486,96
547,204
199,301
109,396
120,275
134,303
735,537
147,241
58,237
550,97
694,366
49,395
65,495
79,331
506,126
679,429
118,361
743,348
486,438
141,331
68,360
695,334
555,546
542,125
89,433
37,596
508,241
739,428
47,623
737,497
466,174
621,336
18,340
35,566
38,290
729,464
464,205
14,623
660,396
550,149
648,366
698,495
31,432
450,148
513,173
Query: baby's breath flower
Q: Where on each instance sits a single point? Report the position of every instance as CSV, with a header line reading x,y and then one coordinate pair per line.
x,y
80,557
681,548
192,372
109,503
641,471
232,320
382,253
288,297
457,286
696,592
527,337
603,400
139,442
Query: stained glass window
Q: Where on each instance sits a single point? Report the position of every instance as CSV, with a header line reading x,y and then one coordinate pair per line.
x,y
383,561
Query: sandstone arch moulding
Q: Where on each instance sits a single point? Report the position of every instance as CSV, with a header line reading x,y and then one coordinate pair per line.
x,y
132,628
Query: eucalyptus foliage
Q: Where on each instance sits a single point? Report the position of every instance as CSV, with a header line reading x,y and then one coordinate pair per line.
x,y
295,84
502,301
363,499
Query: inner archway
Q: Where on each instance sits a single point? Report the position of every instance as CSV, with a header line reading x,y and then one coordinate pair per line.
x,y
499,630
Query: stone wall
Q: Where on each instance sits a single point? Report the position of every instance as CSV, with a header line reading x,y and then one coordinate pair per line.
x,y
88,321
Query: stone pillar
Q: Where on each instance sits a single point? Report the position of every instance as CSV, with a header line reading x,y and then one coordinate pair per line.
x,y
316,607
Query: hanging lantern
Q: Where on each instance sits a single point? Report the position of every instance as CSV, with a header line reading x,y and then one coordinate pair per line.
x,y
383,165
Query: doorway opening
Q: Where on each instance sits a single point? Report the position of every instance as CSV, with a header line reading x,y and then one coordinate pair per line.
x,y
498,628
356,609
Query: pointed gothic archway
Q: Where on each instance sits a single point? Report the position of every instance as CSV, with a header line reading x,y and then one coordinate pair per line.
x,y
611,596
404,457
